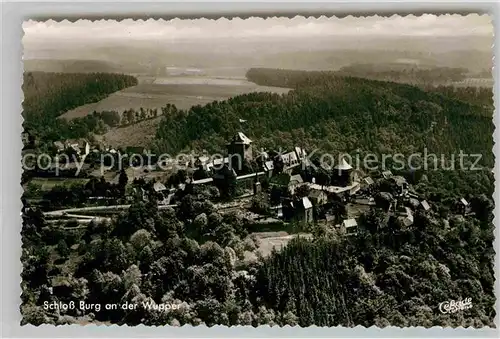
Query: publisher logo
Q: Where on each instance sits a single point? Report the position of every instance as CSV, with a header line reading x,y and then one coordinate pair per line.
x,y
454,306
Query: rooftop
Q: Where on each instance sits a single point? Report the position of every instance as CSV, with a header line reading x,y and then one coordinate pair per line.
x,y
387,174
306,202
289,158
343,165
296,179
316,193
269,165
334,189
369,181
400,181
241,138
158,187
425,205
350,223
301,153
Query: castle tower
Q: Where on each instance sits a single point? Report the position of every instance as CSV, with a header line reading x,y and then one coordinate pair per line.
x,y
239,149
342,174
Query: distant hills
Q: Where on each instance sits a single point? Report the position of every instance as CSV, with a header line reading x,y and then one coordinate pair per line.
x,y
146,57
70,66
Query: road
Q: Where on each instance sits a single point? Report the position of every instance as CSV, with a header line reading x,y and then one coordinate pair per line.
x,y
65,212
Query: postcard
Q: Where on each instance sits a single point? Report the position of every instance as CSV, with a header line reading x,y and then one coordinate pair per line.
x,y
330,171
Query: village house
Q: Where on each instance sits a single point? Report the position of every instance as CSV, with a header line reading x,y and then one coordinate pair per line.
x,y
303,210
330,218
29,140
345,193
202,162
294,182
386,174
414,203
368,181
160,189
250,181
425,205
59,146
138,193
385,201
401,183
278,210
80,146
462,206
299,210
262,157
405,217
318,197
167,199
349,226
292,159
269,167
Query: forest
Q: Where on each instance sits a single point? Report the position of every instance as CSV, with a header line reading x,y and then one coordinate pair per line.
x,y
193,255
48,95
406,73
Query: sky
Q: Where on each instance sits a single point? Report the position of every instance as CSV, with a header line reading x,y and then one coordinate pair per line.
x,y
177,30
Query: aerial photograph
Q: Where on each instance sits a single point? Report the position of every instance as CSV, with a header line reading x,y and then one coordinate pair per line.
x,y
328,171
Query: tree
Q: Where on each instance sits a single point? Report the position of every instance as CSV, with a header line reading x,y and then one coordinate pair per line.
x,y
276,194
63,248
132,276
260,204
122,181
34,315
130,116
140,239
302,191
111,118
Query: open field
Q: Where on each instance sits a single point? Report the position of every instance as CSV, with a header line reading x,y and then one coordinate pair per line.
x,y
277,240
139,134
183,92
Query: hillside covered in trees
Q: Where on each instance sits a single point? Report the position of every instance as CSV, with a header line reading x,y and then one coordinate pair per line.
x,y
48,95
190,256
338,114
402,72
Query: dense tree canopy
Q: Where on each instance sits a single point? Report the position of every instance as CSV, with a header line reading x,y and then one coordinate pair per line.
x,y
48,95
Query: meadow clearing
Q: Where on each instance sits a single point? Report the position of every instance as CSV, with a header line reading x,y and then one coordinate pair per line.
x,y
182,91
